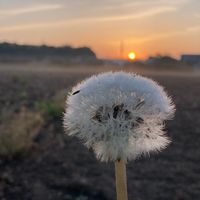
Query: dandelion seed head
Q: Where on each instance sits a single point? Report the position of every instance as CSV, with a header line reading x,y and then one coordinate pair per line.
x,y
119,115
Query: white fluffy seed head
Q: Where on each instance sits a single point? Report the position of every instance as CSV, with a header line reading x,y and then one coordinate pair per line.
x,y
119,115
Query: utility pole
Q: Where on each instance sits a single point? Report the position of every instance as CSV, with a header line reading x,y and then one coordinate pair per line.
x,y
121,49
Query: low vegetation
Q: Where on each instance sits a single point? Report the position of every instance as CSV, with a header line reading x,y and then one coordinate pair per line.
x,y
17,133
52,109
49,109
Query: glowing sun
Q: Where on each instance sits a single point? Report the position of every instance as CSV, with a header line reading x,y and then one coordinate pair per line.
x,y
132,56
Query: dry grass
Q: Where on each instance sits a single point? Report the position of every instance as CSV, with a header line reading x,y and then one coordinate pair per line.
x,y
17,133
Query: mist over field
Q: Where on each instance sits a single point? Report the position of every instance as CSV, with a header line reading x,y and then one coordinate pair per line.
x,y
39,161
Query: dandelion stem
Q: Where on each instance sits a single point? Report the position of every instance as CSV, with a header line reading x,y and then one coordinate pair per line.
x,y
121,182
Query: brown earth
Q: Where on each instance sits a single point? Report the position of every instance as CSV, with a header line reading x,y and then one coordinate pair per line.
x,y
60,167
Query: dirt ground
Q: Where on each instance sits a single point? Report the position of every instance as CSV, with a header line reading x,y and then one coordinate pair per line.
x,y
60,167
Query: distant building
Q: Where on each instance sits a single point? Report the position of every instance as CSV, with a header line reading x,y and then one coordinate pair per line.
x,y
161,60
191,59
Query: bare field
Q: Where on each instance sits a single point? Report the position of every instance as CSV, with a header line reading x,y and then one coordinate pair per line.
x,y
59,167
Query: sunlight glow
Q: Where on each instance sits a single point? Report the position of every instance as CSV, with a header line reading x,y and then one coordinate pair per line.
x,y
132,56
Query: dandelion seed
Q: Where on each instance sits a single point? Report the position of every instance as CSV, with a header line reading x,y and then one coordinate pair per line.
x,y
76,92
140,104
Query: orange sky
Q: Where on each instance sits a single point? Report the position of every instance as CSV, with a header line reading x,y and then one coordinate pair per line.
x,y
146,27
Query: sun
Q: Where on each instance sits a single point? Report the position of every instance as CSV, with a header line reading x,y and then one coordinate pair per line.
x,y
132,55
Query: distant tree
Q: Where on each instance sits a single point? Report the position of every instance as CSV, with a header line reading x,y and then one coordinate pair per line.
x,y
12,51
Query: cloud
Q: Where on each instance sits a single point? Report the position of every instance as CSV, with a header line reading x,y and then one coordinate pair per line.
x,y
155,37
31,9
156,2
193,28
139,15
31,26
138,4
165,35
197,15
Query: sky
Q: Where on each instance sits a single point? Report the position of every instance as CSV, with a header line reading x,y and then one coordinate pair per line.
x,y
112,28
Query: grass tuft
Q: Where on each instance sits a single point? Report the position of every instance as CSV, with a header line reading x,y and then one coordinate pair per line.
x,y
52,109
18,132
